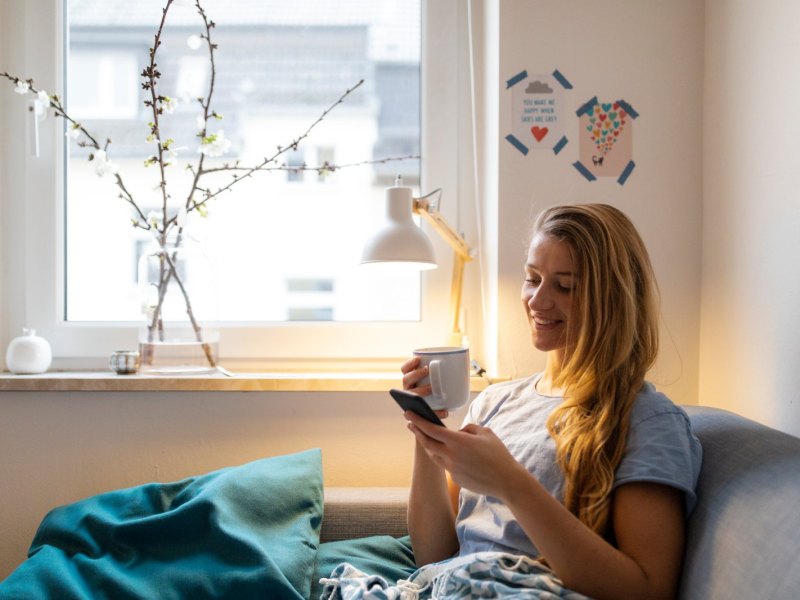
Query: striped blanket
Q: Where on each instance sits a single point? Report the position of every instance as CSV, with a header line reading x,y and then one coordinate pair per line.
x,y
480,575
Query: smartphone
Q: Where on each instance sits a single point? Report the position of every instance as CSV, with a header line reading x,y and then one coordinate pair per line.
x,y
415,402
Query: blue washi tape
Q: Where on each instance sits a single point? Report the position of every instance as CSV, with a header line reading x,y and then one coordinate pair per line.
x,y
628,108
626,172
516,79
584,171
562,80
561,143
586,107
517,144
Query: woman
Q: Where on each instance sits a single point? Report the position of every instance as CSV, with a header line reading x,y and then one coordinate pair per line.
x,y
584,466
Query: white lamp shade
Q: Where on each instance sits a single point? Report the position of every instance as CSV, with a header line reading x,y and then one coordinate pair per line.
x,y
399,240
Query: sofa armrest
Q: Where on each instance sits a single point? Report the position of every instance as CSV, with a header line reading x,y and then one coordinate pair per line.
x,y
361,512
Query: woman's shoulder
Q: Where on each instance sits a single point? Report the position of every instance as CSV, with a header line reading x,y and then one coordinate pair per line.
x,y
650,403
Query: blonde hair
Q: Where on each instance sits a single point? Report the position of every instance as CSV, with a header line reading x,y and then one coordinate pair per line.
x,y
610,351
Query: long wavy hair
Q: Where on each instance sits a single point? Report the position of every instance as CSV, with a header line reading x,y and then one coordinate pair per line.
x,y
609,350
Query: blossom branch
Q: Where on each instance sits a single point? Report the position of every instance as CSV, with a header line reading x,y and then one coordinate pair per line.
x,y
151,75
281,150
75,130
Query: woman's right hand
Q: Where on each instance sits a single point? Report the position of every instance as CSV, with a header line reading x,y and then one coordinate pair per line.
x,y
413,373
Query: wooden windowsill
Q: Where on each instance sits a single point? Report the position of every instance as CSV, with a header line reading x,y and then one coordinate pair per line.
x,y
107,381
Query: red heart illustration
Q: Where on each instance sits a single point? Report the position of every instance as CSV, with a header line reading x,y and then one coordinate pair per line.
x,y
616,133
616,105
602,117
539,132
622,112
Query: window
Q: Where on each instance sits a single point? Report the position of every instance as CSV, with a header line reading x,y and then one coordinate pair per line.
x,y
83,296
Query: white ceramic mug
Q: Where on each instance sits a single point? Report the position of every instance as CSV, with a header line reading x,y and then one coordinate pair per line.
x,y
448,376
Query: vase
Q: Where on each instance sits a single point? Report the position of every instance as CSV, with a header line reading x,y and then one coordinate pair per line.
x,y
180,306
28,353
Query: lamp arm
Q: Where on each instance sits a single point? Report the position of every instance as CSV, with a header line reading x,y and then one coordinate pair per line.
x,y
464,254
423,208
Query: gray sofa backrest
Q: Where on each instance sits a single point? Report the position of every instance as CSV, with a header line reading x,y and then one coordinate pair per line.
x,y
744,534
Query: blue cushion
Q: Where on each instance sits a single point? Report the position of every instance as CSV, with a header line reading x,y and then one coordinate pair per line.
x,y
250,531
383,555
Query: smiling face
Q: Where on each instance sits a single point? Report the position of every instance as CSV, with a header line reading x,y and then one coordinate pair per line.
x,y
548,293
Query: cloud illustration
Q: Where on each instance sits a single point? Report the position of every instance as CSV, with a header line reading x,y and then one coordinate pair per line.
x,y
538,87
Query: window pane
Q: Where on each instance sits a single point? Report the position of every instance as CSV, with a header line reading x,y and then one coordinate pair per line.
x,y
286,243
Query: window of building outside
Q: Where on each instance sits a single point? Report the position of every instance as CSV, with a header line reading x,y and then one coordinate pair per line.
x,y
285,244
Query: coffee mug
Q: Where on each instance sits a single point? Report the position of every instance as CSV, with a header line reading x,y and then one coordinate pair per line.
x,y
448,376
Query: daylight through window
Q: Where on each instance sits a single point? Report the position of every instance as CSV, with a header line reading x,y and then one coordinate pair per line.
x,y
285,244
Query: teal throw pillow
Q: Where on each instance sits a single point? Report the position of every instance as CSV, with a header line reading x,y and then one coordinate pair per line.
x,y
249,531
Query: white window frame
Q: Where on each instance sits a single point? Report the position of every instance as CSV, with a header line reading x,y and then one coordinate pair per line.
x,y
32,192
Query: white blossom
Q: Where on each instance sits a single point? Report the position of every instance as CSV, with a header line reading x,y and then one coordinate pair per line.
x,y
169,104
215,144
73,131
41,104
103,166
154,219
22,87
171,155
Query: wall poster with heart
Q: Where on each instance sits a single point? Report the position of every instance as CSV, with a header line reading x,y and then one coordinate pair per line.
x,y
538,109
606,139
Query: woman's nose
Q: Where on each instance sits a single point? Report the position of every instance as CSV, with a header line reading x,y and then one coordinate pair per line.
x,y
539,299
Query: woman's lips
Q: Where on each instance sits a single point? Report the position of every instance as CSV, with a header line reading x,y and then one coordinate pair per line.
x,y
544,324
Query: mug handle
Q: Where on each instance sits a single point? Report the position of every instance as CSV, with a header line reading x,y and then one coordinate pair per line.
x,y
436,380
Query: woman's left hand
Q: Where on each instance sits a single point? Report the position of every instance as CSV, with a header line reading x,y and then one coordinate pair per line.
x,y
474,456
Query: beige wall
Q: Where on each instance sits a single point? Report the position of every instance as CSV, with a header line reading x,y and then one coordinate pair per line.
x,y
649,54
750,337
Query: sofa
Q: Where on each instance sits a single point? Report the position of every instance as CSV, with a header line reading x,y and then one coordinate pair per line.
x,y
270,528
743,536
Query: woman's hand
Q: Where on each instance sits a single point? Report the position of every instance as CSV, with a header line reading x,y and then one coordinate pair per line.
x,y
474,456
413,373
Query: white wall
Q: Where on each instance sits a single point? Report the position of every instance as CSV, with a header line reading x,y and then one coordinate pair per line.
x,y
750,336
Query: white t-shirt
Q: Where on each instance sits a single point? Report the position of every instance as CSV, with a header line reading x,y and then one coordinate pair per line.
x,y
660,448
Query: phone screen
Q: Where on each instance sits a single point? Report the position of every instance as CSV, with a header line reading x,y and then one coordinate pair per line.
x,y
416,403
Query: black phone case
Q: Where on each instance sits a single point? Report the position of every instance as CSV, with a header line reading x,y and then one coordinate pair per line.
x,y
416,403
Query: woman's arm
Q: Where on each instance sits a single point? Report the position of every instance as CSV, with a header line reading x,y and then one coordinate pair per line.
x,y
431,519
648,522
648,518
431,514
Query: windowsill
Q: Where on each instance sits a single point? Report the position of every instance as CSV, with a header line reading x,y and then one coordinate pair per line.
x,y
106,381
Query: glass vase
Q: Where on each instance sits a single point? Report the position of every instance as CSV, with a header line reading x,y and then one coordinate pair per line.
x,y
180,306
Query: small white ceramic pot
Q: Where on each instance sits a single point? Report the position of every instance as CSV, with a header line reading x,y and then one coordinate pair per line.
x,y
28,354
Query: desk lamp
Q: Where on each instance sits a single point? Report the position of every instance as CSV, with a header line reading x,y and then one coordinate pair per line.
x,y
400,241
